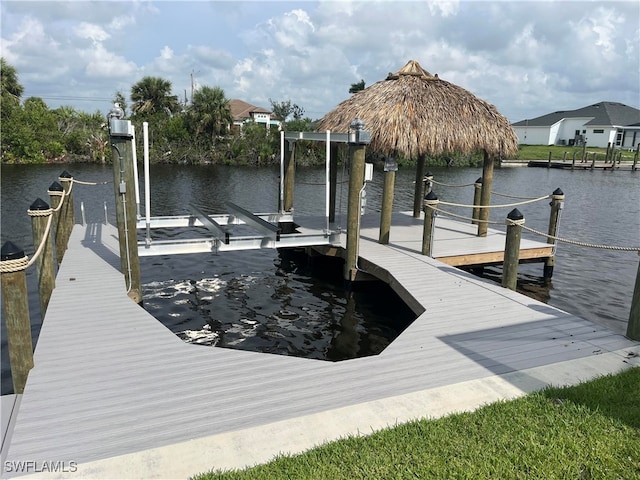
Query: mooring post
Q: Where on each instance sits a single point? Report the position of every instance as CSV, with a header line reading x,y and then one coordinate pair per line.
x,y
515,220
333,181
41,222
633,327
357,148
56,192
390,168
549,161
289,174
573,161
430,204
485,195
608,153
13,264
593,161
635,157
120,140
477,192
557,203
417,190
67,217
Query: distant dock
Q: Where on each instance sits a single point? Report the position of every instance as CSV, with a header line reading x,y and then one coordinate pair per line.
x,y
115,394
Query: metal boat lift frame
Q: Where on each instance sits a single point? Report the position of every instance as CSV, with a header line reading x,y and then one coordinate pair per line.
x,y
220,239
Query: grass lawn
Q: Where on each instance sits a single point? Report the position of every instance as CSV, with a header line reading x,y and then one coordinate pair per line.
x,y
541,152
588,431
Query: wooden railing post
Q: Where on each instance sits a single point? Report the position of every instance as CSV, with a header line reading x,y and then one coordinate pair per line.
x,y
485,195
477,192
515,220
549,161
417,188
13,263
557,203
56,192
333,181
633,327
430,204
40,214
67,214
635,157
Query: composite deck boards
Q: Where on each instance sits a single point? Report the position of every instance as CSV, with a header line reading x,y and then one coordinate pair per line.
x,y
109,379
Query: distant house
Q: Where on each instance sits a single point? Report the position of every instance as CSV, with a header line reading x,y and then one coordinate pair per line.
x,y
243,112
596,125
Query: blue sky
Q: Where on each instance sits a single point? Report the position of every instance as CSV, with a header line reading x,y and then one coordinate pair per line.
x,y
527,58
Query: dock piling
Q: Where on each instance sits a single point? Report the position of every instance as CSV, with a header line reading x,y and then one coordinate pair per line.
x,y
557,203
485,195
514,221
13,264
289,174
67,214
56,194
41,220
417,190
477,192
390,168
126,207
430,204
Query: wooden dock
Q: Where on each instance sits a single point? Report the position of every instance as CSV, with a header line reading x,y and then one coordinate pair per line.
x,y
115,394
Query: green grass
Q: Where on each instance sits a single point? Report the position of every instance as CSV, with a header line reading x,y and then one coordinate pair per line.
x,y
589,431
541,152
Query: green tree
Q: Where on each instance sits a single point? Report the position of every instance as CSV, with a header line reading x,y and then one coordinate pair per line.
x,y
152,95
120,99
284,109
210,112
356,87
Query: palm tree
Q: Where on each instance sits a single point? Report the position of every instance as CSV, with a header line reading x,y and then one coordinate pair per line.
x,y
210,111
11,89
153,95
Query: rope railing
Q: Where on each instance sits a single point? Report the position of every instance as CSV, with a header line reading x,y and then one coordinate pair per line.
x,y
515,204
462,217
451,185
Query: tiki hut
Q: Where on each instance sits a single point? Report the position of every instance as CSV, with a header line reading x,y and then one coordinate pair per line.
x,y
416,114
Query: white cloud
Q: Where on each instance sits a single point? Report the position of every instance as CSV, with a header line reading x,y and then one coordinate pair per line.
x,y
91,32
101,63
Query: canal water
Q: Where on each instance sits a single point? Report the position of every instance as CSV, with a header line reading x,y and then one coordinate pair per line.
x,y
280,302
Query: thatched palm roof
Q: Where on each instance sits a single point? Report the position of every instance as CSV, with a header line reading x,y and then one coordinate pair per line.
x,y
414,113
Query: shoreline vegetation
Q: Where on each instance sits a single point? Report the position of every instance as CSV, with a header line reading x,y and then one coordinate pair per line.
x,y
586,431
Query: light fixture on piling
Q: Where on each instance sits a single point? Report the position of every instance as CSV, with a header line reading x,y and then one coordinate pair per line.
x,y
390,164
360,135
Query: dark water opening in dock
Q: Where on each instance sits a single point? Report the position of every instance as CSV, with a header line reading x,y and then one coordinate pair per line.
x,y
288,303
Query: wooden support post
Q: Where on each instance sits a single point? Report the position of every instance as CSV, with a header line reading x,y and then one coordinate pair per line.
x,y
633,327
557,202
417,190
126,212
289,174
635,157
477,192
13,263
515,220
430,204
66,219
608,153
564,157
41,216
333,181
593,161
573,161
584,152
390,167
485,195
549,161
356,181
56,193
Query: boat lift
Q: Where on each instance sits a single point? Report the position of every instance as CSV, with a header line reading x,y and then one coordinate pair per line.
x,y
268,234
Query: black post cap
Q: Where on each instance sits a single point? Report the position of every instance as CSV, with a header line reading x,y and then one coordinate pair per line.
x,y
557,191
479,180
428,174
10,251
65,174
515,214
39,204
431,196
56,187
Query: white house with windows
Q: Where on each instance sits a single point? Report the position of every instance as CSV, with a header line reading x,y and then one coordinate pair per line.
x,y
243,112
597,125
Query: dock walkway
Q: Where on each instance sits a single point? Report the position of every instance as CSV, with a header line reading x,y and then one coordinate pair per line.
x,y
114,394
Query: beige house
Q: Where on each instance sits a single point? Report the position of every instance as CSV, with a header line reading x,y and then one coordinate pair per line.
x,y
243,112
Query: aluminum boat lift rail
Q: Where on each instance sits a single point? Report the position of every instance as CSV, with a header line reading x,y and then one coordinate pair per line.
x,y
268,235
